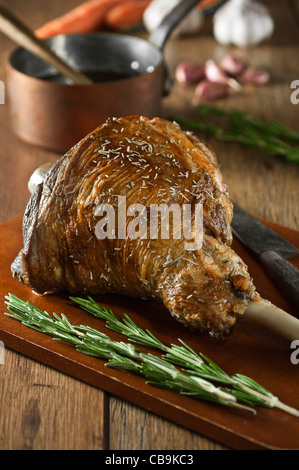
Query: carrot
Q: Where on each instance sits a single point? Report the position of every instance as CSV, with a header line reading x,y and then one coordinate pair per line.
x,y
208,3
87,17
126,14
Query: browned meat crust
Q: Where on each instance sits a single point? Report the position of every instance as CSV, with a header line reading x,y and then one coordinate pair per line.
x,y
149,162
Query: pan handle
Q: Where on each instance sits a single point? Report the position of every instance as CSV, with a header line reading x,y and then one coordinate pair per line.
x,y
160,35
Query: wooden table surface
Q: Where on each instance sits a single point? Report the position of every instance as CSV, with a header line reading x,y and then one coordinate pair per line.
x,y
43,409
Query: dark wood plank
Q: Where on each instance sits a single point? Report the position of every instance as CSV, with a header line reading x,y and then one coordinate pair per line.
x,y
41,407
268,362
151,432
267,187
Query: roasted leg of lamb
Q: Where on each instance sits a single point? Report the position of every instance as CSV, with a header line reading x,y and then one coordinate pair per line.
x,y
149,162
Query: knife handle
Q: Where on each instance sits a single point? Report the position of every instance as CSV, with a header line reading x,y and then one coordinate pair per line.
x,y
284,273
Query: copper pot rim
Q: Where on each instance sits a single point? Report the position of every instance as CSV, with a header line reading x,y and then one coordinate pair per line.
x,y
11,68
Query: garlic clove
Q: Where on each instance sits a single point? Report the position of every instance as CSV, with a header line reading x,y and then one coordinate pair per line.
x,y
216,75
233,65
206,91
189,72
255,75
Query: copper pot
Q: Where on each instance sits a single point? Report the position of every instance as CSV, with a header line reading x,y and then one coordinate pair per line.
x,y
129,74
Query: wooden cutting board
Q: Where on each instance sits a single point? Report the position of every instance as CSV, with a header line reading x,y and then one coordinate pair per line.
x,y
250,350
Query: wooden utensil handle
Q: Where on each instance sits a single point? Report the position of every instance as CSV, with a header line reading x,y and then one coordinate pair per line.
x,y
21,34
273,318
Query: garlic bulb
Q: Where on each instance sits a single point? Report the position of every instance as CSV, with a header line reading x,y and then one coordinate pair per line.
x,y
159,9
243,23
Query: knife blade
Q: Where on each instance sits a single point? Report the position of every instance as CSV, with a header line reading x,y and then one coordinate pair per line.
x,y
271,249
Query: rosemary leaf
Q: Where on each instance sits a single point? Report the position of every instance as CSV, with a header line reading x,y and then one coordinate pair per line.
x,y
197,377
247,390
120,355
271,138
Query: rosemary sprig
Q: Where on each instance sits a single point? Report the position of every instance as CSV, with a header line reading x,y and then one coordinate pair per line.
x,y
198,374
273,127
120,355
272,138
244,388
